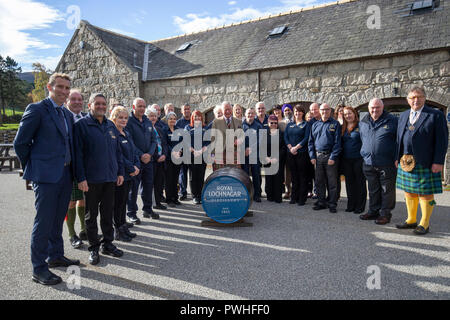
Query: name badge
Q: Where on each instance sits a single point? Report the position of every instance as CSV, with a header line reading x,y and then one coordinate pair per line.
x,y
386,127
112,134
124,141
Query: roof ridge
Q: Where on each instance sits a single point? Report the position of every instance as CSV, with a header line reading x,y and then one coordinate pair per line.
x,y
113,32
258,19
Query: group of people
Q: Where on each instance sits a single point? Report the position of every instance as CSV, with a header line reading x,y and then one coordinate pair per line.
x,y
96,163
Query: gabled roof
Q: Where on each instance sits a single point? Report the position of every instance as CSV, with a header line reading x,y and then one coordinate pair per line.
x,y
332,32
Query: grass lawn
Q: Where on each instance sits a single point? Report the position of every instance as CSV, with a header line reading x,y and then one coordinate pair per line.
x,y
9,112
9,126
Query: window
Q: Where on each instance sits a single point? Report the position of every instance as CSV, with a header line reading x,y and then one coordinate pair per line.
x,y
184,47
278,31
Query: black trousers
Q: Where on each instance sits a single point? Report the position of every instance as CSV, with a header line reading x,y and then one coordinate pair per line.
x,y
172,174
299,172
326,180
158,181
355,184
274,186
197,179
100,199
120,203
381,185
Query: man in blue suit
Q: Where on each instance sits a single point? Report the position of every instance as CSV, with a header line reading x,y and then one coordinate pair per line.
x,y
44,145
422,141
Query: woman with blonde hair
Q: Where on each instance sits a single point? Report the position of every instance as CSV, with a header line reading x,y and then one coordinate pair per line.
x,y
119,116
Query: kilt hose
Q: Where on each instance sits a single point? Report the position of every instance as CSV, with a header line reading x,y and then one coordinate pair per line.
x,y
420,181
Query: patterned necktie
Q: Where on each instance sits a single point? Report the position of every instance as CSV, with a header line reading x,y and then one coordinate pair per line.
x,y
229,123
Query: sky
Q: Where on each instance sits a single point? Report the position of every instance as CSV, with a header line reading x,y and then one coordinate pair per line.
x,y
39,31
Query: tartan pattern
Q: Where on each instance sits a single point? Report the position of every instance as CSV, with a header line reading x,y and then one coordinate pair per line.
x,y
419,181
77,194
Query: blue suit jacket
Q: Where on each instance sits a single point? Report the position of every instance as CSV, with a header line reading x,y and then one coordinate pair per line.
x,y
430,139
40,142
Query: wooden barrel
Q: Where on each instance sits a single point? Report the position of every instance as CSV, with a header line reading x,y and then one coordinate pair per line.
x,y
227,195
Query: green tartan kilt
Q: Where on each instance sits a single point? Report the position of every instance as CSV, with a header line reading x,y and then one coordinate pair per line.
x,y
77,194
419,181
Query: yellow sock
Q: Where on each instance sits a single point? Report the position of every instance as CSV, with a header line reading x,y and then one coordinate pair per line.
x,y
412,204
427,207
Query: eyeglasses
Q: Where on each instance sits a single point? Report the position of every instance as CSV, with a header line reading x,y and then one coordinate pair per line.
x,y
273,123
416,97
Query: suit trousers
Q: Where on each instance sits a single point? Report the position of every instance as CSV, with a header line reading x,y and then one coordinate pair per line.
x,y
254,170
381,185
51,203
100,199
326,180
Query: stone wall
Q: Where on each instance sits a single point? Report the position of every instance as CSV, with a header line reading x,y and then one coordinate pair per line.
x,y
354,82
95,69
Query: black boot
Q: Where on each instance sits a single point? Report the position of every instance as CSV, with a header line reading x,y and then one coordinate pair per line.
x,y
120,235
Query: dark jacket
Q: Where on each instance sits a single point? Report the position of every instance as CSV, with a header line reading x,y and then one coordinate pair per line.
x,y
142,134
325,137
379,140
430,138
40,142
129,153
98,152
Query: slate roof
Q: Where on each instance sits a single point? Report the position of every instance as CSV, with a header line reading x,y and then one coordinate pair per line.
x,y
332,32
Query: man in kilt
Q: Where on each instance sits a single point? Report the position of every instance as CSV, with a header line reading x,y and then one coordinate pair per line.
x,y
422,141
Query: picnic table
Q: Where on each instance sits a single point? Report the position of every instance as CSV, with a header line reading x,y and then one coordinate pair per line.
x,y
6,159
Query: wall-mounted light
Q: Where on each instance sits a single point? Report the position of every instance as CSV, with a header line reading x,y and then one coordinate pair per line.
x,y
395,86
81,45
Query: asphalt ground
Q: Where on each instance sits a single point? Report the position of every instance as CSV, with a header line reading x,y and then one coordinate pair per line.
x,y
289,253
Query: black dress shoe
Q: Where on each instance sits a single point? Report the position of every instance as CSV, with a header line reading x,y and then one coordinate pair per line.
x,y
171,204
333,210
301,204
146,214
319,207
177,202
358,211
349,210
183,197
94,257
76,242
160,207
155,216
405,225
83,235
46,278
112,250
421,230
130,234
63,262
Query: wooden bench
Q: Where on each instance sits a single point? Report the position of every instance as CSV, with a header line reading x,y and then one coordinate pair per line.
x,y
8,161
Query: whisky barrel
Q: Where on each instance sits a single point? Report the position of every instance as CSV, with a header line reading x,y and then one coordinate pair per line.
x,y
227,195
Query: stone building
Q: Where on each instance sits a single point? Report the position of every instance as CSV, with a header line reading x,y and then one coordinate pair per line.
x,y
343,52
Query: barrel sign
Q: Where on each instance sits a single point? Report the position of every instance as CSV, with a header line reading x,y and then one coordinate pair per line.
x,y
225,199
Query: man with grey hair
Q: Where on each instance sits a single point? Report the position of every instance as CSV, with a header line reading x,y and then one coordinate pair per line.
x,y
141,131
261,115
181,124
378,131
324,147
168,108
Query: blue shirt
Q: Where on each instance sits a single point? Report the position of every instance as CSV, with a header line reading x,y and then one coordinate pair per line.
x,y
265,121
182,123
129,153
297,134
325,137
379,140
142,134
351,144
98,152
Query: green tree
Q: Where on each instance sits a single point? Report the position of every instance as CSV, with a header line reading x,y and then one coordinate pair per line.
x,y
41,76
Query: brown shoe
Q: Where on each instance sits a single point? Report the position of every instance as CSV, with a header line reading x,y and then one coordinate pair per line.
x,y
382,220
368,216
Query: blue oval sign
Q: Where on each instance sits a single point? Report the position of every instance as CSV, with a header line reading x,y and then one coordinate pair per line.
x,y
225,199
